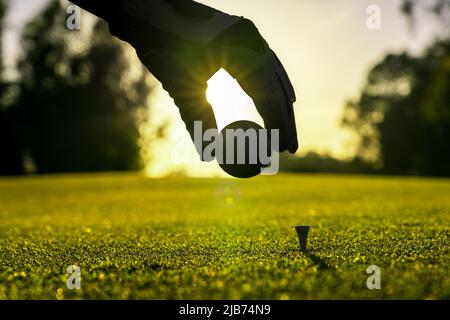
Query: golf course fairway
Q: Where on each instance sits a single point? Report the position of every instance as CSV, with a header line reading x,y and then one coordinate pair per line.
x,y
182,238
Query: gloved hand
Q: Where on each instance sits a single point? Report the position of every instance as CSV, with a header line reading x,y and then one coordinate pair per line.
x,y
183,43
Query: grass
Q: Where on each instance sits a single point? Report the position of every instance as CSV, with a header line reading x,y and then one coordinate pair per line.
x,y
180,238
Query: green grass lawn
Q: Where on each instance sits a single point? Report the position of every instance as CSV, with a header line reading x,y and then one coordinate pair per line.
x,y
180,238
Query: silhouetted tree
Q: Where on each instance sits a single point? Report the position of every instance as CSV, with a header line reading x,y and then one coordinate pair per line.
x,y
403,114
441,8
10,151
78,110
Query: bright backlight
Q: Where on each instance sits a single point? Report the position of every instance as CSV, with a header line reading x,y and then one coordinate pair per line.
x,y
230,103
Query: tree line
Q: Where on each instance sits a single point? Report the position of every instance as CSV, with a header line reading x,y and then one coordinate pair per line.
x,y
402,116
77,105
73,109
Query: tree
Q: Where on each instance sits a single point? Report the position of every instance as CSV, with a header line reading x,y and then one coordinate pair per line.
x,y
440,8
78,111
403,114
10,159
402,117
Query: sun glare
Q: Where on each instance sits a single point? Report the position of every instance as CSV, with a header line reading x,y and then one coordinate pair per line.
x,y
229,102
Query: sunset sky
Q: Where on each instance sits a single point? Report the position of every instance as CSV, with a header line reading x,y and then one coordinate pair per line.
x,y
325,46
